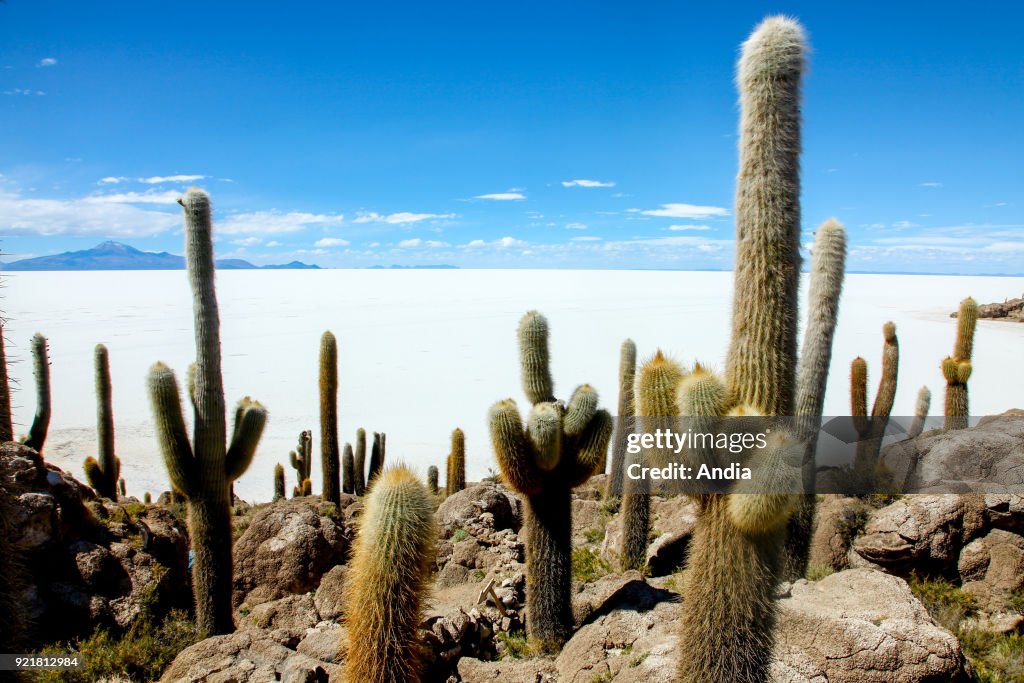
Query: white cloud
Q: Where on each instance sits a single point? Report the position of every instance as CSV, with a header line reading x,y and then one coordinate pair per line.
x,y
248,242
587,183
160,179
331,242
272,222
20,215
575,226
149,197
502,196
585,238
904,225
400,217
47,61
24,91
931,184
683,211
688,227
273,243
417,242
112,180
501,243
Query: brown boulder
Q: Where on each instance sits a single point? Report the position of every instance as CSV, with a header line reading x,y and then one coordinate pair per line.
x,y
461,510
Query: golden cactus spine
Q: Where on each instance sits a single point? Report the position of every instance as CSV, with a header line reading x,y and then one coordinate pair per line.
x,y
204,468
956,369
625,422
104,472
388,579
543,461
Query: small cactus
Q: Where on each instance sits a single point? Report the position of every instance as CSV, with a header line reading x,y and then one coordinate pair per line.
x,y
457,467
307,488
204,469
557,450
360,480
348,469
302,460
41,371
122,490
278,482
147,498
104,473
331,492
871,428
956,369
432,481
376,460
921,407
625,423
388,578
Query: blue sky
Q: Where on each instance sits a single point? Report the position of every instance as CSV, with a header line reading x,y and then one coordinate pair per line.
x,y
585,135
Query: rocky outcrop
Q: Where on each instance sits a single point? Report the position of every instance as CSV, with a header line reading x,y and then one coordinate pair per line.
x,y
462,510
860,625
992,569
287,548
1011,310
247,656
89,562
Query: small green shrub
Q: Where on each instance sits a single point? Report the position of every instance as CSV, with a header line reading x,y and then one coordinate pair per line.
x,y
945,602
460,535
515,644
588,565
852,521
594,534
818,572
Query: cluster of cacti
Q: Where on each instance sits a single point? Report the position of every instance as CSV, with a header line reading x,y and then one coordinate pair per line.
x,y
103,473
204,468
557,450
329,456
387,580
6,423
432,481
625,422
828,268
456,480
957,368
871,426
348,469
41,371
279,490
302,462
359,484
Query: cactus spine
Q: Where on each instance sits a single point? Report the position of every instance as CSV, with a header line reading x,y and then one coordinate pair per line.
x,y
329,418
544,461
41,370
103,474
828,267
204,469
457,463
624,424
278,482
348,468
432,479
388,577
735,557
360,480
957,368
376,460
302,461
921,408
656,389
6,425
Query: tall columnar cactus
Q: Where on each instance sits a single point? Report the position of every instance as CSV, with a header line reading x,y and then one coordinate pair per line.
x,y
348,469
388,577
921,407
6,424
302,461
957,368
204,469
104,473
828,267
736,551
329,418
432,479
41,371
122,488
871,427
278,482
624,424
376,460
557,450
457,471
656,389
360,480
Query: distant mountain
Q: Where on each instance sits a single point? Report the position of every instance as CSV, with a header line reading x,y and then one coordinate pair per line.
x,y
117,256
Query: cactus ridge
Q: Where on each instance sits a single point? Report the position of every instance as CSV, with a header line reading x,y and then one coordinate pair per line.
x,y
388,580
